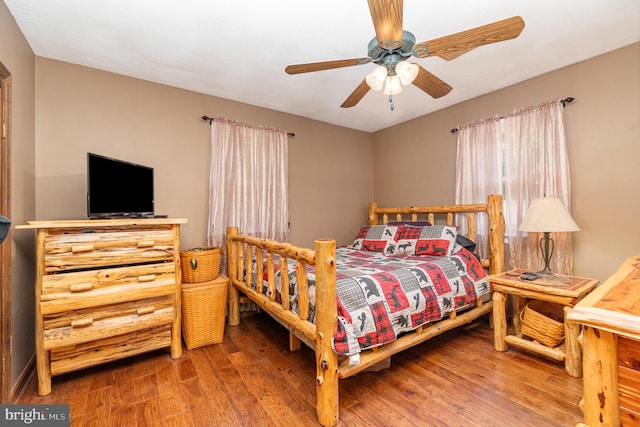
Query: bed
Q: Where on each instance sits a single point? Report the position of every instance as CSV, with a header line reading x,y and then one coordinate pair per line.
x,y
406,278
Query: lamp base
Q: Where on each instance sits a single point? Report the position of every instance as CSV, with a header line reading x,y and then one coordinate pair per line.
x,y
547,245
545,272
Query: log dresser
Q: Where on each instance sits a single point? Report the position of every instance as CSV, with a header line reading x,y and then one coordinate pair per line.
x,y
611,347
105,289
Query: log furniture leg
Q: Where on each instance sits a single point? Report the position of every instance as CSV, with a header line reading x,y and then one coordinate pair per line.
x,y
327,402
573,363
499,321
232,269
518,305
600,378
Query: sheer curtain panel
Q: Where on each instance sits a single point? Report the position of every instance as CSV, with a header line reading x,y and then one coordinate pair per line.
x,y
478,170
536,164
522,156
248,184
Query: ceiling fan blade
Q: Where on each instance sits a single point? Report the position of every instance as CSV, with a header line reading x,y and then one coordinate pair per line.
x,y
326,65
453,55
431,84
387,21
356,95
454,45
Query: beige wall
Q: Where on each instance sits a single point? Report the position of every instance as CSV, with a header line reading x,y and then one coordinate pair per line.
x,y
333,171
17,57
603,131
82,110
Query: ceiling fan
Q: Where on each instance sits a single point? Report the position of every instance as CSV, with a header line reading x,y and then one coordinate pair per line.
x,y
392,46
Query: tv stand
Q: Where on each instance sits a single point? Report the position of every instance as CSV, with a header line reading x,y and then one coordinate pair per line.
x,y
105,290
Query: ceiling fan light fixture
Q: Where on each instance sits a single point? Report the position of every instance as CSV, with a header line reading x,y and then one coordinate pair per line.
x,y
407,72
376,78
392,85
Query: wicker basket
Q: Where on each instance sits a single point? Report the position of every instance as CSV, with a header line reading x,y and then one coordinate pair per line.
x,y
200,264
544,322
204,312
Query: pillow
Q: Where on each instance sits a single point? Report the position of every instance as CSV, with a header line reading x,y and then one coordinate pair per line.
x,y
438,240
377,238
466,242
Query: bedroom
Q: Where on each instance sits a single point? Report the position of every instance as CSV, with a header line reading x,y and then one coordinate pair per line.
x,y
61,111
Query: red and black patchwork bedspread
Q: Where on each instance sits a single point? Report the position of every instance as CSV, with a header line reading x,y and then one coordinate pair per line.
x,y
381,296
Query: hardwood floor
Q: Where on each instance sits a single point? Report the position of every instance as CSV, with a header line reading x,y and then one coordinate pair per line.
x,y
251,379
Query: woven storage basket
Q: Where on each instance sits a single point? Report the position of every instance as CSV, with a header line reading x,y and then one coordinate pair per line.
x,y
204,312
200,264
544,322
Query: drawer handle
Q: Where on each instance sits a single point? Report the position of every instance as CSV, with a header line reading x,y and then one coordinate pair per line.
x,y
146,310
81,323
81,287
146,243
81,248
147,278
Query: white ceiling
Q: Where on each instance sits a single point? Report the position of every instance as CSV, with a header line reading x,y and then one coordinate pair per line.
x,y
239,49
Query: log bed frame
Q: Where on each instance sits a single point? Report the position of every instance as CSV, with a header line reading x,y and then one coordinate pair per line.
x,y
330,367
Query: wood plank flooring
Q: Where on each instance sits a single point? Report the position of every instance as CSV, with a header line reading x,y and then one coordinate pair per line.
x,y
251,379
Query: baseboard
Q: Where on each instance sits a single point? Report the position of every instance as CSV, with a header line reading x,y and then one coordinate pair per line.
x,y
23,380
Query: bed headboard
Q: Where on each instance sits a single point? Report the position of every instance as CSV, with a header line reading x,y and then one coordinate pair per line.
x,y
445,214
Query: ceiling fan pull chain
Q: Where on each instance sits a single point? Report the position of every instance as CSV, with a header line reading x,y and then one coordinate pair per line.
x,y
391,102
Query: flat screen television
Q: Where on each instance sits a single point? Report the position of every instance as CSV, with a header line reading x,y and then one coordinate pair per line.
x,y
117,188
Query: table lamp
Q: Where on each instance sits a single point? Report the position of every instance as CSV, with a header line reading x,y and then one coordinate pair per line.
x,y
547,215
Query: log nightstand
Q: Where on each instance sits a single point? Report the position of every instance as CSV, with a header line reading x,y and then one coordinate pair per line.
x,y
564,290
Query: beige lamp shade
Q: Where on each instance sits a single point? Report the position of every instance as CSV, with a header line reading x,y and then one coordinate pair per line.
x,y
548,214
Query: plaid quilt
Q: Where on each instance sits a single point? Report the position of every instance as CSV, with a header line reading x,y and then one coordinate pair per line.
x,y
381,296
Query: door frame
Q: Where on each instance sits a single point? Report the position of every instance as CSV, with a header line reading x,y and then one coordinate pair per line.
x,y
5,247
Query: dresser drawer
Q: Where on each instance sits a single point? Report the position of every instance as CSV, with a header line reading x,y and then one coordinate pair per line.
x,y
629,353
91,248
72,357
629,388
92,288
629,378
90,324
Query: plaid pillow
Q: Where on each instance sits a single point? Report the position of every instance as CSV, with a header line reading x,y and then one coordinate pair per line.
x,y
436,240
377,238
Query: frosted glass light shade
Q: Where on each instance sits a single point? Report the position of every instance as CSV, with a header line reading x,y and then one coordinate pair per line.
x,y
407,72
376,78
392,85
548,214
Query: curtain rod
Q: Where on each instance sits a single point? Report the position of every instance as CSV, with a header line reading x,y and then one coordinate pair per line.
x,y
565,101
211,119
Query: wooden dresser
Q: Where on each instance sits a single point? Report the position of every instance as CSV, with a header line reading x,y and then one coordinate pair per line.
x,y
105,289
611,348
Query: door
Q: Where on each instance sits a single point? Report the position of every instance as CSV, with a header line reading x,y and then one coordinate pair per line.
x,y
5,247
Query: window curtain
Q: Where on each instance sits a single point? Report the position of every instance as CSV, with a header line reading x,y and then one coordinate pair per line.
x,y
248,184
521,156
479,149
536,164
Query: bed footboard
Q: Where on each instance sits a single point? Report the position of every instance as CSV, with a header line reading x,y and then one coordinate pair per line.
x,y
242,251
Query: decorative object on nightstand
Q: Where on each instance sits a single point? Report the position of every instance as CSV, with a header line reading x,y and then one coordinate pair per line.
x,y
547,215
549,291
